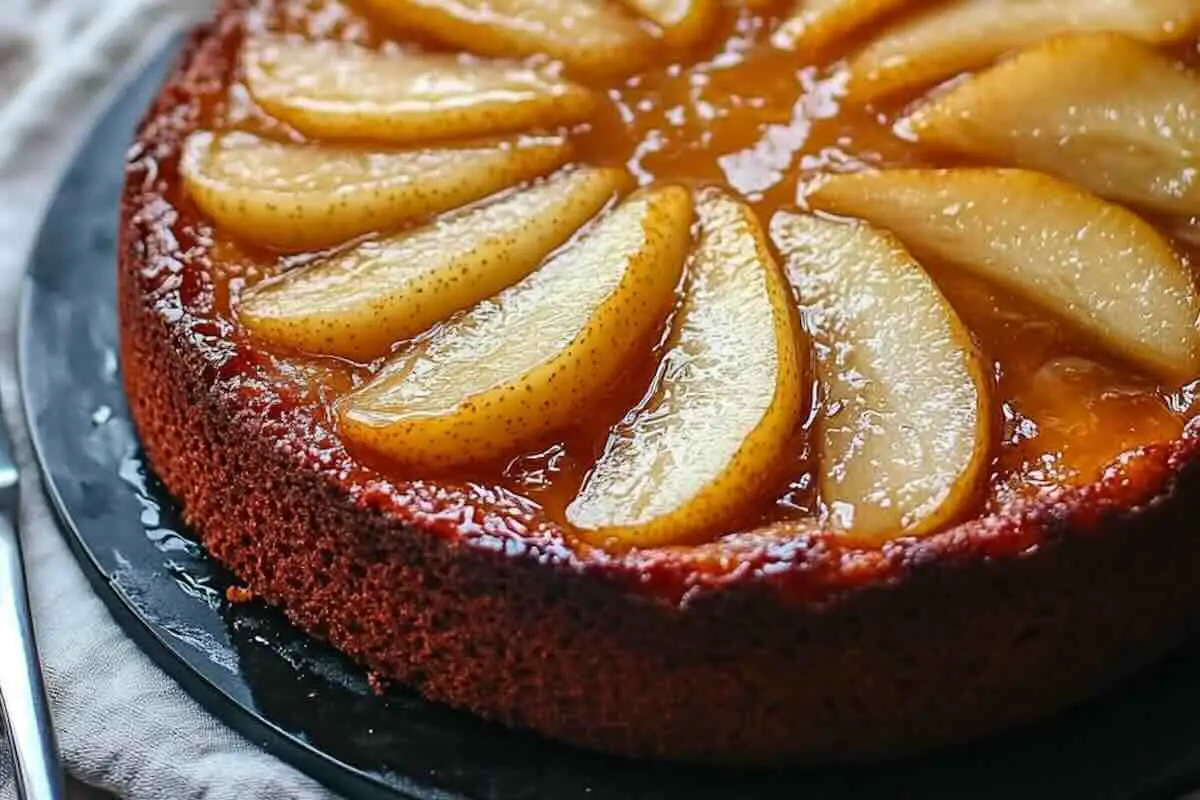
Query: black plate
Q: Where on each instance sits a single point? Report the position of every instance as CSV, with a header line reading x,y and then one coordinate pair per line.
x,y
304,702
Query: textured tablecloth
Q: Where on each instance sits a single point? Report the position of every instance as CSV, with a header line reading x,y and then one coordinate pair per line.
x,y
123,725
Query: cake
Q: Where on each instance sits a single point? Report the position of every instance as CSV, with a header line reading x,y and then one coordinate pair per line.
x,y
727,382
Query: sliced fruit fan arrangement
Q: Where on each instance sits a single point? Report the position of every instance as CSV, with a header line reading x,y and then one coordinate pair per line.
x,y
433,223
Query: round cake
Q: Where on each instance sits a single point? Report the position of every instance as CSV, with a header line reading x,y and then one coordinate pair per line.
x,y
711,380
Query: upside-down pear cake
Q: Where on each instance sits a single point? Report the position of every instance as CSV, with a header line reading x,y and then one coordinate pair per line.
x,y
724,380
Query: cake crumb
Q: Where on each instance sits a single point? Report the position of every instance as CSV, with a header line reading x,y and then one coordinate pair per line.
x,y
238,594
377,682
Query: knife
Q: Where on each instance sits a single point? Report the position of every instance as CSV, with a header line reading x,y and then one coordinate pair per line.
x,y
23,704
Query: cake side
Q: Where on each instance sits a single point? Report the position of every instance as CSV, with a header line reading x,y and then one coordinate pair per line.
x,y
946,644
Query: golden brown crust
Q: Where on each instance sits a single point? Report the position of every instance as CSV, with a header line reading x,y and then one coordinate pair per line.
x,y
796,649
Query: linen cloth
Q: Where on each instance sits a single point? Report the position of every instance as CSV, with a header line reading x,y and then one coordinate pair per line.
x,y
123,725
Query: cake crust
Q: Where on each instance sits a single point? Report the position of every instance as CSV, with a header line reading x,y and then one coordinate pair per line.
x,y
783,649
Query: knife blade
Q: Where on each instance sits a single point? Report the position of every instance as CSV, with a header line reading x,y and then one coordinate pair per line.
x,y
23,703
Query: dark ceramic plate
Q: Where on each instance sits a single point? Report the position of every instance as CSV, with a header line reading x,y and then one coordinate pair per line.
x,y
304,702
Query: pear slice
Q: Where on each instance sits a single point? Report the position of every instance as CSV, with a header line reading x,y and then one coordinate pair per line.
x,y
593,38
1105,111
530,360
359,302
296,197
682,22
904,439
814,25
947,38
329,90
710,438
1092,263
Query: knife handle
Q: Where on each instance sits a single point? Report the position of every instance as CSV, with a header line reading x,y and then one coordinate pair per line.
x,y
23,702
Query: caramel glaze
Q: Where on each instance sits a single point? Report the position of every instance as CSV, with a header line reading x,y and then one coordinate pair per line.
x,y
1081,433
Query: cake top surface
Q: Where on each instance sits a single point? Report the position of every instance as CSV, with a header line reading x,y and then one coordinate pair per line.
x,y
659,278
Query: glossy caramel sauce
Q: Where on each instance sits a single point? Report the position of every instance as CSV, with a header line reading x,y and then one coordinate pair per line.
x,y
764,123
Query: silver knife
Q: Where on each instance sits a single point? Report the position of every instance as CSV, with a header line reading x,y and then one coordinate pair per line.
x,y
23,703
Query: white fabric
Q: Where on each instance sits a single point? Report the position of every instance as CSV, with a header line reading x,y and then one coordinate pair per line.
x,y
124,726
